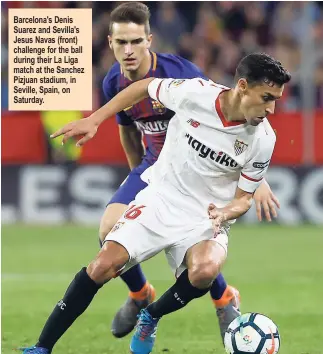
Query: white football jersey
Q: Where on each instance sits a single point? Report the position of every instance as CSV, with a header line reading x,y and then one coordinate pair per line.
x,y
205,158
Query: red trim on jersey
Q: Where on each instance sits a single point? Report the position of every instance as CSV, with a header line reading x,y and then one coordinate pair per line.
x,y
251,179
158,89
221,115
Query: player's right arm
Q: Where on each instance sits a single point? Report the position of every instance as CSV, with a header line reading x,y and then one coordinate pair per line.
x,y
88,127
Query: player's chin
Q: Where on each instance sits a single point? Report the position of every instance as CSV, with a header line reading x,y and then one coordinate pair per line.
x,y
255,121
132,66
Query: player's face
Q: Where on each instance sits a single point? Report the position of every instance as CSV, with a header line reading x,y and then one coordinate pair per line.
x,y
129,43
257,102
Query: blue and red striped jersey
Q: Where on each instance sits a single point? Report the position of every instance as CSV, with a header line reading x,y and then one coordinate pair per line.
x,y
149,115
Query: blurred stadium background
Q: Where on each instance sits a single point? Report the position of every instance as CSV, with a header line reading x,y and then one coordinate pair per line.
x,y
53,196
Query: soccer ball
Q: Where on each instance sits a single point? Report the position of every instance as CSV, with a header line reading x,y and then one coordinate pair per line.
x,y
252,333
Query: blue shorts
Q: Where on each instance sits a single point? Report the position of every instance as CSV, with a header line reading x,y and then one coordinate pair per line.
x,y
132,185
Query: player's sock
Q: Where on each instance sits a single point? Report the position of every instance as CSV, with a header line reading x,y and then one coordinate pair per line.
x,y
134,278
175,298
229,294
77,298
218,287
143,293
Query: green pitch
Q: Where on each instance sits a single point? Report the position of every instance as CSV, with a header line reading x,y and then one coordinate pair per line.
x,y
278,270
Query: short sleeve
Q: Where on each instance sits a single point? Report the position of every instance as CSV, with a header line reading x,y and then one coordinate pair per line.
x,y
255,169
123,119
171,92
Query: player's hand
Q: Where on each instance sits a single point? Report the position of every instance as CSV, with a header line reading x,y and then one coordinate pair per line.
x,y
85,127
217,216
266,200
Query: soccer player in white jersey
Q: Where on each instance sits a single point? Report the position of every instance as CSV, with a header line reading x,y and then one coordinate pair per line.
x,y
217,151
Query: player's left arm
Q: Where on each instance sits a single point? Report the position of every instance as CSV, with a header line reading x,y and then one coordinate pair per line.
x,y
251,177
237,207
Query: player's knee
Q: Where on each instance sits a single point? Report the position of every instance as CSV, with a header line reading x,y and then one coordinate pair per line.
x,y
202,275
100,270
107,264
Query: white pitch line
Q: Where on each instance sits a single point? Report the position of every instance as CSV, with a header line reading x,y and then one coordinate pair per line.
x,y
36,276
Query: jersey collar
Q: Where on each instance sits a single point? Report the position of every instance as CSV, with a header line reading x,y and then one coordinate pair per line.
x,y
221,115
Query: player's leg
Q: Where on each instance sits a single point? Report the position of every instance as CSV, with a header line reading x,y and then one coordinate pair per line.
x,y
203,262
141,292
134,278
227,303
78,296
119,253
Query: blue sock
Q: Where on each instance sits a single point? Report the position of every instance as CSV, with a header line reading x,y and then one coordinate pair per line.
x,y
218,287
134,278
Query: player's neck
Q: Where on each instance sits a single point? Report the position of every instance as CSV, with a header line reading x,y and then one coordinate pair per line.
x,y
230,106
143,69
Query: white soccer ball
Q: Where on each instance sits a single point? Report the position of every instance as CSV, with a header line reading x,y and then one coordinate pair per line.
x,y
252,333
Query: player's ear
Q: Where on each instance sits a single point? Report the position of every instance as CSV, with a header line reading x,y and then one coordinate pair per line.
x,y
242,85
110,42
149,40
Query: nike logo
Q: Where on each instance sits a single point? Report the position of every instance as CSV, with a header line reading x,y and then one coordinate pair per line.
x,y
271,350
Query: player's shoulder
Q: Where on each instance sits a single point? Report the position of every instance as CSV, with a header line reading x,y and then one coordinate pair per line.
x,y
178,67
266,135
205,88
111,78
201,84
266,130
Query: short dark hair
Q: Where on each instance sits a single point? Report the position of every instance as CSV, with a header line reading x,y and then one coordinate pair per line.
x,y
257,68
135,12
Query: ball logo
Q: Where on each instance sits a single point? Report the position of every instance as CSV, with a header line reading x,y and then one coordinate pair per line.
x,y
271,350
247,339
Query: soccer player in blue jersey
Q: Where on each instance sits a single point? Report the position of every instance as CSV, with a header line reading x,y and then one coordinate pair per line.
x,y
130,41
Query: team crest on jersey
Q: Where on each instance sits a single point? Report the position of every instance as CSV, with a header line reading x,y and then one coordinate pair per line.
x,y
239,147
177,82
158,107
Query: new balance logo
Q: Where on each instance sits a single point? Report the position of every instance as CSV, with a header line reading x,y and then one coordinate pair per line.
x,y
61,304
193,123
220,157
